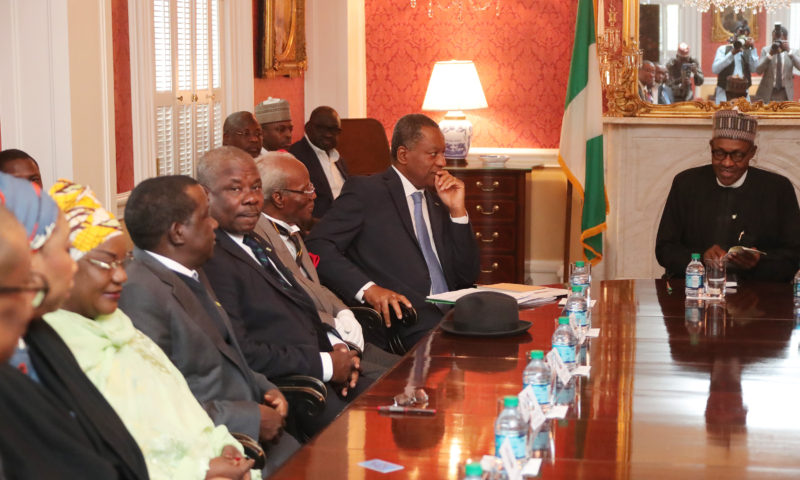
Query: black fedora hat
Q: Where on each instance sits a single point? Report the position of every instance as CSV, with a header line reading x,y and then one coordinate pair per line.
x,y
485,314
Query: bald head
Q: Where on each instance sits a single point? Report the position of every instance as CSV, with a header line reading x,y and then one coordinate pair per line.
x,y
243,131
323,128
288,191
274,168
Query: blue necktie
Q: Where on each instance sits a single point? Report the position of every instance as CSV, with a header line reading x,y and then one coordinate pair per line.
x,y
438,282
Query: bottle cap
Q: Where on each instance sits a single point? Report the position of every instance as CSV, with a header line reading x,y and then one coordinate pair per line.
x,y
510,401
473,469
537,354
563,320
579,263
695,256
577,288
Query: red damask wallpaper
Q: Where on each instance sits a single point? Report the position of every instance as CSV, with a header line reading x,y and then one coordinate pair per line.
x,y
522,58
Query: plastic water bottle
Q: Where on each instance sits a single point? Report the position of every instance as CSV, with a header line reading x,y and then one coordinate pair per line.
x,y
695,274
537,374
577,308
796,285
581,275
564,341
473,471
510,425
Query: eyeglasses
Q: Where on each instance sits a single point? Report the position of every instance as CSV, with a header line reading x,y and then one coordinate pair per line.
x,y
310,190
109,266
247,133
736,155
36,284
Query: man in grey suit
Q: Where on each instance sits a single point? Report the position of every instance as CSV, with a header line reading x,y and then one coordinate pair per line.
x,y
289,198
169,299
776,65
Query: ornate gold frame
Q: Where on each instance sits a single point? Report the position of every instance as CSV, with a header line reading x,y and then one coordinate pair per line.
x,y
619,66
721,34
291,60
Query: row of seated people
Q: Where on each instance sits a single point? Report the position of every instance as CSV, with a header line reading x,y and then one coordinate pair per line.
x,y
219,297
223,287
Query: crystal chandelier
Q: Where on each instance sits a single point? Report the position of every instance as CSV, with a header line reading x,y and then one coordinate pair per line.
x,y
475,5
738,5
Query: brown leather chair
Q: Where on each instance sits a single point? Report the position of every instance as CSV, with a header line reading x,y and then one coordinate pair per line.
x,y
364,146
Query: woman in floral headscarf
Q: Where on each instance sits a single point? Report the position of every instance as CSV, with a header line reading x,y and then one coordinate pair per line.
x,y
176,435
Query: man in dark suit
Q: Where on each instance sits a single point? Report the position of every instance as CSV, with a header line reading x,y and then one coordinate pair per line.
x,y
400,235
776,65
317,151
275,321
169,299
288,202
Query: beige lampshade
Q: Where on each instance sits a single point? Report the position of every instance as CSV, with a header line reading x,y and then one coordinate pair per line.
x,y
454,85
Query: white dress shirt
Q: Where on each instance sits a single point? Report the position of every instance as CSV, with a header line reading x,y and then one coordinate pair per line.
x,y
174,266
327,161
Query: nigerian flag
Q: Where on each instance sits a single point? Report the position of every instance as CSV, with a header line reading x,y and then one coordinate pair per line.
x,y
581,149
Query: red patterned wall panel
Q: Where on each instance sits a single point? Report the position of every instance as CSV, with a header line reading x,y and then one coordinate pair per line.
x,y
123,121
522,58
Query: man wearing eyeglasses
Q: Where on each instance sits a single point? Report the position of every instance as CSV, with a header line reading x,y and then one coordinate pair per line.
x,y
317,151
728,204
243,131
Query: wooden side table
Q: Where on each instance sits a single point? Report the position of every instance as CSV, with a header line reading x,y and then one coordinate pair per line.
x,y
495,200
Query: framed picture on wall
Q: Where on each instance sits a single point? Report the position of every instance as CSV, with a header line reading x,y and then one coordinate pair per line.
x,y
723,23
283,38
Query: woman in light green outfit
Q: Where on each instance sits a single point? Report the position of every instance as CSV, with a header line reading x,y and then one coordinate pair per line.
x,y
176,436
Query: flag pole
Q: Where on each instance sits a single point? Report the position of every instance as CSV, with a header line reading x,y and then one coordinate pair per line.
x,y
567,231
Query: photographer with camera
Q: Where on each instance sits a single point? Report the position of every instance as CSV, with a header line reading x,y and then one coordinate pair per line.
x,y
776,64
733,64
682,69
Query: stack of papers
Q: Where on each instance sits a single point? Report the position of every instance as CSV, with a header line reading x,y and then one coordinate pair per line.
x,y
526,295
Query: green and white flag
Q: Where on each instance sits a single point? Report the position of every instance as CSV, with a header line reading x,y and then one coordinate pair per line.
x,y
581,149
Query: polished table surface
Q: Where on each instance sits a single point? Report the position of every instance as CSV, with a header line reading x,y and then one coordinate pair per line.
x,y
713,394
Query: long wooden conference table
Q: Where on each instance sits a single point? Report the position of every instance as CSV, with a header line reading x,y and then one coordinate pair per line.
x,y
703,393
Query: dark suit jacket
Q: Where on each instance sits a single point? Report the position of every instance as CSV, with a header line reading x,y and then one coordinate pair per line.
x,y
166,309
278,328
368,235
303,151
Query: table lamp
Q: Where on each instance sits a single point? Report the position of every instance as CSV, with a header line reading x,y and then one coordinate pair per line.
x,y
454,87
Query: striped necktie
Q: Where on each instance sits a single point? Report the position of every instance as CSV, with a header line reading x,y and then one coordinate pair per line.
x,y
263,258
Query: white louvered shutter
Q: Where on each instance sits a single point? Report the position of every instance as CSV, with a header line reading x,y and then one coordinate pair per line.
x,y
188,83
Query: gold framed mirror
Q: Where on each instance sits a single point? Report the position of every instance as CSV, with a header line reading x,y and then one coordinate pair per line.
x,y
620,63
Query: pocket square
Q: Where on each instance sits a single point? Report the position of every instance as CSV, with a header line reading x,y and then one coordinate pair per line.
x,y
314,259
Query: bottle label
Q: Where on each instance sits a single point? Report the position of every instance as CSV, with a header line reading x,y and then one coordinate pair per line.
x,y
694,280
579,316
542,392
566,352
517,442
